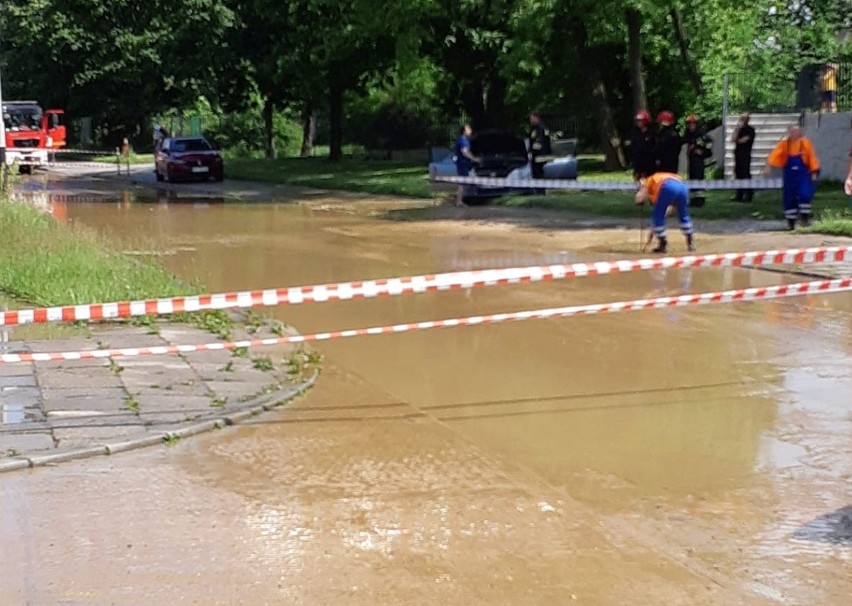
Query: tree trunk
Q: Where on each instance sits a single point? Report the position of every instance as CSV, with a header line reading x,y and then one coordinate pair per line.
x,y
309,129
335,152
685,55
634,54
607,132
269,128
610,141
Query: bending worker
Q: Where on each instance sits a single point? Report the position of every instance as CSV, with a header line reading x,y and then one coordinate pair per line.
x,y
665,190
796,155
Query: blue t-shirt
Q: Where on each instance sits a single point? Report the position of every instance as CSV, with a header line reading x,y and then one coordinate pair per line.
x,y
463,163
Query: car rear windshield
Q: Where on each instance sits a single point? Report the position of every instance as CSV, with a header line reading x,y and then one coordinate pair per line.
x,y
190,145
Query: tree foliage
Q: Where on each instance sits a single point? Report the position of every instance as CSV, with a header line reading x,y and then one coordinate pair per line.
x,y
392,73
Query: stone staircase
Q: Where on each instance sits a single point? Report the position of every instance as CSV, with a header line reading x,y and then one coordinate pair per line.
x,y
769,129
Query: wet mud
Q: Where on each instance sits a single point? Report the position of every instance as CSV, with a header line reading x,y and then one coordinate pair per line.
x,y
685,456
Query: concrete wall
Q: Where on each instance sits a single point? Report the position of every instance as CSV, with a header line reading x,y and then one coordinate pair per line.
x,y
832,136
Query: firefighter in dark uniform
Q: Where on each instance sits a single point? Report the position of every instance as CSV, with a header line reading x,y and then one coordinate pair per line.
x,y
668,144
743,140
642,142
540,152
699,147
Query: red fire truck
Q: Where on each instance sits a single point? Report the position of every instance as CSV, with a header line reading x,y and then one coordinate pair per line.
x,y
31,133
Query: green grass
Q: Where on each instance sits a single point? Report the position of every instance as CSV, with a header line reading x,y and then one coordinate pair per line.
x,y
834,223
43,262
388,177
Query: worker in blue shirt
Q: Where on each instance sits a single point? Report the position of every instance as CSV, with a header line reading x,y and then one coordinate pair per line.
x,y
464,159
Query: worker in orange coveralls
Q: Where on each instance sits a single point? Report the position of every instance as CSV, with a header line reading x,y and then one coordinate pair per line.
x,y
666,190
795,154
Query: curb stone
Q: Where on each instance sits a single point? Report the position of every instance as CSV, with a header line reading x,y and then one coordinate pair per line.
x,y
280,398
14,465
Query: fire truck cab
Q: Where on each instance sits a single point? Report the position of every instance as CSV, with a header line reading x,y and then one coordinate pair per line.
x,y
31,133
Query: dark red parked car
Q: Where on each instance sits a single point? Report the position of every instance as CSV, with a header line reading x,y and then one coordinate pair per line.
x,y
184,158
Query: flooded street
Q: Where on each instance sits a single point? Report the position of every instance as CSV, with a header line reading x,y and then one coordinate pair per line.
x,y
685,456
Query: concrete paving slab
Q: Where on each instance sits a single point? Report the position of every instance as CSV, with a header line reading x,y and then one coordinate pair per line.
x,y
155,363
97,398
183,335
218,357
50,345
121,341
122,327
25,442
78,378
27,380
88,435
149,404
89,363
236,390
16,369
23,396
55,411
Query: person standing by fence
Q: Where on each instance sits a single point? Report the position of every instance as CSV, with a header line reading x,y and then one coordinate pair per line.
x,y
796,156
668,143
642,143
829,87
699,147
743,140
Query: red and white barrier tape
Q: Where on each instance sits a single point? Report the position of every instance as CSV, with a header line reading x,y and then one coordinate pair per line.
x,y
729,296
572,184
408,285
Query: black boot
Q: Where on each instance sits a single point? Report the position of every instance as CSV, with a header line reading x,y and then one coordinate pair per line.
x,y
690,244
791,224
806,219
661,247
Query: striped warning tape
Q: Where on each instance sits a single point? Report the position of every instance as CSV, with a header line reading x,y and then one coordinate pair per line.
x,y
729,296
571,184
409,285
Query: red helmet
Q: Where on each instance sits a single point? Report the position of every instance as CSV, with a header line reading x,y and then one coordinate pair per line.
x,y
644,116
691,118
666,117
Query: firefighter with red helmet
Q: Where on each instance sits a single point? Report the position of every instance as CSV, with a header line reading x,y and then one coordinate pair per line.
x,y
699,147
642,143
668,144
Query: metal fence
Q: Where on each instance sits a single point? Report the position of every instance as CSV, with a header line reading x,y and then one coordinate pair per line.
x,y
802,91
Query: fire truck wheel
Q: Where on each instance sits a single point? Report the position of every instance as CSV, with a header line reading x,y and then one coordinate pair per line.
x,y
25,170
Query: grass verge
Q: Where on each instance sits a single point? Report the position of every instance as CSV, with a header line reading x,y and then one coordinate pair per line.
x,y
833,223
47,263
829,201
385,177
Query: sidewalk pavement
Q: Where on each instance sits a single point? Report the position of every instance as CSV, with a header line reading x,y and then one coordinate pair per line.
x,y
52,412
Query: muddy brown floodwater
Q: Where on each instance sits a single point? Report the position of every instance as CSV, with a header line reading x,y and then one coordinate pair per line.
x,y
689,456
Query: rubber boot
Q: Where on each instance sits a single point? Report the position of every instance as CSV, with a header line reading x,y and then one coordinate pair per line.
x,y
661,247
690,243
791,224
806,219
